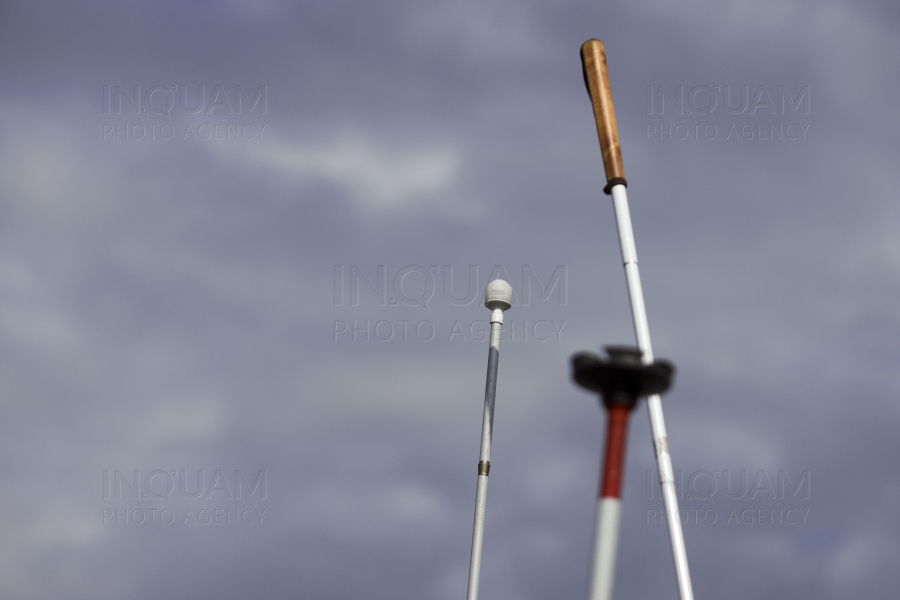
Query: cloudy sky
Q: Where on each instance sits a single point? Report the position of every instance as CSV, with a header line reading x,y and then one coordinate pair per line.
x,y
242,251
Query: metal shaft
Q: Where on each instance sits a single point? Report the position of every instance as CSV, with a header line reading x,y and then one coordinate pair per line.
x,y
654,406
484,463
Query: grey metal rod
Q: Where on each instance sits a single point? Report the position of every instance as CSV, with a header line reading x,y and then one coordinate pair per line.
x,y
497,298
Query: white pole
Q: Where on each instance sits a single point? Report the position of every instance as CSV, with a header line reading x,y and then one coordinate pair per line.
x,y
606,538
593,56
654,405
497,298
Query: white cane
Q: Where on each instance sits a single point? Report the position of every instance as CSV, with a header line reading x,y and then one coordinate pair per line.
x,y
596,78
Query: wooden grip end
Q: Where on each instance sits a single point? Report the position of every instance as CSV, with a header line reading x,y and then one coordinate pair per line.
x,y
596,78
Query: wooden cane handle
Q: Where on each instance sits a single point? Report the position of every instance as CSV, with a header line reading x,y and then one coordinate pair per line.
x,y
596,78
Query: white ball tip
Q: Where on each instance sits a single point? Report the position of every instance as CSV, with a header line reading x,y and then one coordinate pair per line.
x,y
498,295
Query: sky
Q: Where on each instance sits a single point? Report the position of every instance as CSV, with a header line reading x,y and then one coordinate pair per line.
x,y
243,248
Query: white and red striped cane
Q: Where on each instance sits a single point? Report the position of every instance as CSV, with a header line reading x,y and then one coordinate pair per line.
x,y
621,381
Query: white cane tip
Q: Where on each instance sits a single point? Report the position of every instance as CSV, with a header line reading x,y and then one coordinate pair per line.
x,y
498,295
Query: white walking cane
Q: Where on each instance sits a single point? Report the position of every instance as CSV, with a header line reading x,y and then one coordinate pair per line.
x,y
596,78
497,298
